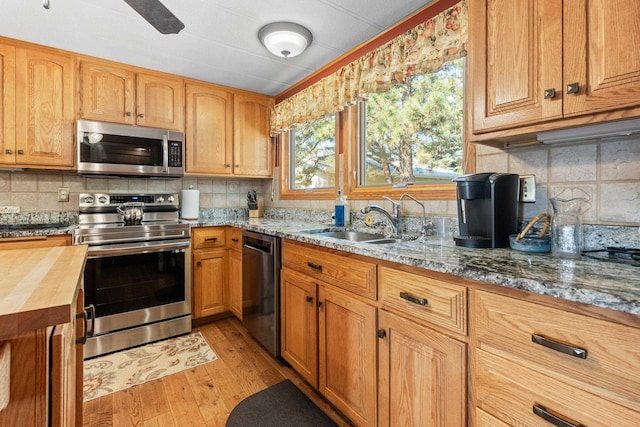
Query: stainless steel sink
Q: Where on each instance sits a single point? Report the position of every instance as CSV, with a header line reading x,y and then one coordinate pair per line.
x,y
354,236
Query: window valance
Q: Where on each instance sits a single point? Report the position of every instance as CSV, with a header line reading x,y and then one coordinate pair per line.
x,y
421,50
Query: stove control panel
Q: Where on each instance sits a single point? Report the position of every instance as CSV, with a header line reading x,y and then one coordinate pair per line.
x,y
102,201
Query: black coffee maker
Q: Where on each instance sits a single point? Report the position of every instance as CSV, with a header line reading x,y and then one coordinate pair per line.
x,y
487,209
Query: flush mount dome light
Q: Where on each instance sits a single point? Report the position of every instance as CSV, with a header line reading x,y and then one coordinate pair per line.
x,y
285,39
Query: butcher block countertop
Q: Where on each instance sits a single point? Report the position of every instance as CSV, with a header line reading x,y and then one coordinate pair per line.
x,y
38,287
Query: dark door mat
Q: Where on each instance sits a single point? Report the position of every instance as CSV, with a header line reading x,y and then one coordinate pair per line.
x,y
280,405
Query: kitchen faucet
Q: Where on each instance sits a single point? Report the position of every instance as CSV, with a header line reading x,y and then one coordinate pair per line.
x,y
394,220
427,226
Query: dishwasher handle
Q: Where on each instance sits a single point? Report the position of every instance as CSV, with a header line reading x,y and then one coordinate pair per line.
x,y
258,244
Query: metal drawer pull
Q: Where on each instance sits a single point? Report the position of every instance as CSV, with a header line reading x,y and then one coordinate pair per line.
x,y
309,299
549,93
542,412
235,240
210,239
411,298
315,266
573,88
558,346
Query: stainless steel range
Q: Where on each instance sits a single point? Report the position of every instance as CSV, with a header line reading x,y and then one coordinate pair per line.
x,y
138,277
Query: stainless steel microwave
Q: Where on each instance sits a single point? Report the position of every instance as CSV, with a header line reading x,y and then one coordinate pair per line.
x,y
115,149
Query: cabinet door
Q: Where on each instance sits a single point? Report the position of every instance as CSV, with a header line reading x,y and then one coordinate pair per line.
x,y
347,356
209,283
160,101
45,109
252,145
209,132
107,93
235,283
515,56
422,375
7,104
601,55
299,338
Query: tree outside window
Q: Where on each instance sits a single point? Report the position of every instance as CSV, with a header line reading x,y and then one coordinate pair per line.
x,y
413,133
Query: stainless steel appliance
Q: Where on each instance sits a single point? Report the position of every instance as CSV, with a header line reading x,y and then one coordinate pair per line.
x,y
138,277
115,149
261,288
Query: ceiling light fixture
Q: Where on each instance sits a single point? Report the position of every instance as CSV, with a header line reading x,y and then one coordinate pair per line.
x,y
285,39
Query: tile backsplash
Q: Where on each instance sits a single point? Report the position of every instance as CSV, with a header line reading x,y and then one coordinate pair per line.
x,y
607,173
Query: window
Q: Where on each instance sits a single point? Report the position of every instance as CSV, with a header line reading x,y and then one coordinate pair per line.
x,y
411,135
309,153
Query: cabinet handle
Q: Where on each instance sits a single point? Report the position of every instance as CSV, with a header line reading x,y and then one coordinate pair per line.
x,y
558,346
210,239
8,152
199,263
235,240
411,298
381,333
88,312
542,412
128,114
549,93
237,165
20,152
227,165
315,266
573,87
309,299
319,304
141,115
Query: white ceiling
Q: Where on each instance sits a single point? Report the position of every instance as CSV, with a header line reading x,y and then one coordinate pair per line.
x,y
219,43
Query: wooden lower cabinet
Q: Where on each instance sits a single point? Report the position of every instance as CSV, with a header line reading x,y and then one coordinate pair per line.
x,y
235,283
337,354
210,275
422,375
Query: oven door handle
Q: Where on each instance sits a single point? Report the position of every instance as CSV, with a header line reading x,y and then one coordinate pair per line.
x,y
86,240
136,248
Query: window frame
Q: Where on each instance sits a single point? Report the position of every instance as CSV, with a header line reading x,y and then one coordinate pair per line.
x,y
287,193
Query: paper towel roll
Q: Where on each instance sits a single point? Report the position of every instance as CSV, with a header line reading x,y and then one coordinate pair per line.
x,y
189,204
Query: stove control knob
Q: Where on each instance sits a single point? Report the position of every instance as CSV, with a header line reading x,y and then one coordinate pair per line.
x,y
170,199
160,199
103,199
88,200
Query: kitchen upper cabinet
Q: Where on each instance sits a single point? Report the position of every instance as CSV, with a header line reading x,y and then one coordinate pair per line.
x,y
253,149
44,109
113,93
533,65
8,104
422,375
107,93
209,130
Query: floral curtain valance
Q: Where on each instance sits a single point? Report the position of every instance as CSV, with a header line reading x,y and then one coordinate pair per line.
x,y
421,50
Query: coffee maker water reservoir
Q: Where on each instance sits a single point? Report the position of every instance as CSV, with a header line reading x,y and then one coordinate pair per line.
x,y
487,209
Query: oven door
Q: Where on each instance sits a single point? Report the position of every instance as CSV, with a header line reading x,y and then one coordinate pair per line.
x,y
136,284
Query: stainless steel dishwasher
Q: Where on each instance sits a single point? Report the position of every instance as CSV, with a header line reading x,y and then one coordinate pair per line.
x,y
261,288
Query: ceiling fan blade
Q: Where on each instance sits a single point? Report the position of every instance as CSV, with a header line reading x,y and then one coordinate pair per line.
x,y
157,15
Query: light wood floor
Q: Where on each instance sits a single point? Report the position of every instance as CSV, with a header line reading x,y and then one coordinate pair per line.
x,y
202,396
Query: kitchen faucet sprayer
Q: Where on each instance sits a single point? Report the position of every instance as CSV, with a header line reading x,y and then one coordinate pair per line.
x,y
427,226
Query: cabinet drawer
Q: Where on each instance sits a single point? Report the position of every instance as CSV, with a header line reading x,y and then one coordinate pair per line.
x,y
354,275
209,238
235,238
509,392
424,298
506,326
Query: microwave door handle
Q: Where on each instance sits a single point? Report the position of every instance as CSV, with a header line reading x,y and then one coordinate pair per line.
x,y
165,153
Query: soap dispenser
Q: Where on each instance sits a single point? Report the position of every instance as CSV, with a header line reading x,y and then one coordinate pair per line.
x,y
342,215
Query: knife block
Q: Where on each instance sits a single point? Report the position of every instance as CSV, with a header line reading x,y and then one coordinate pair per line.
x,y
257,213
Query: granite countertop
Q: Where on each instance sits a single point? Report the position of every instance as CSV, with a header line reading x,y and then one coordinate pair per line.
x,y
603,284
600,283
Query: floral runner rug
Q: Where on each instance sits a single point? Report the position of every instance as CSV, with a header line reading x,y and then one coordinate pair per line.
x,y
127,368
